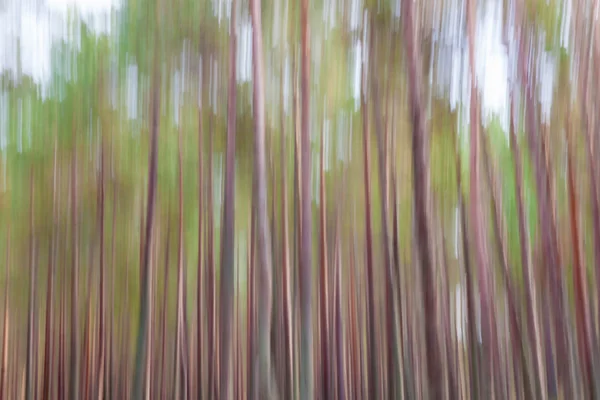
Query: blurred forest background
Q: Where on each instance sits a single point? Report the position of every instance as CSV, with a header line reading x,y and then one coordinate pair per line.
x,y
326,199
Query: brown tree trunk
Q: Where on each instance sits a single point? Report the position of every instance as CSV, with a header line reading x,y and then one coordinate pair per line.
x,y
478,228
30,381
579,275
371,332
393,359
287,389
46,384
210,272
164,312
306,342
74,342
264,372
323,280
421,199
180,389
145,277
5,330
200,304
228,241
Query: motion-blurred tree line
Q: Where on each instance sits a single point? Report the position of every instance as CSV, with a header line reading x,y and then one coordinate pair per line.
x,y
289,200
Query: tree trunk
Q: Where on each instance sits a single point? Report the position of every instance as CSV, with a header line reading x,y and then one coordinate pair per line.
x,y
306,323
421,199
145,277
228,241
478,228
264,371
30,381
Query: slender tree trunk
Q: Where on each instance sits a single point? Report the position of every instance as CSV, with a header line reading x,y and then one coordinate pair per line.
x,y
420,200
448,355
297,233
393,359
5,330
151,328
74,342
180,392
478,228
46,384
200,304
250,307
579,275
371,332
164,312
339,308
30,383
228,240
60,374
287,390
210,272
306,342
101,301
265,374
111,329
88,333
144,289
323,281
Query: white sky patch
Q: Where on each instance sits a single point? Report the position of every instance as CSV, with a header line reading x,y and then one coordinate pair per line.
x,y
460,313
492,66
83,6
244,50
38,27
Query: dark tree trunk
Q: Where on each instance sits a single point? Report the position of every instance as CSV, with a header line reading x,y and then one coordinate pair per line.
x,y
421,199
145,276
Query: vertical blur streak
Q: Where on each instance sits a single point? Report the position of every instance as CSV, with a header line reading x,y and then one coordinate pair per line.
x,y
180,391
74,342
478,229
30,374
415,283
520,362
287,389
526,267
578,274
152,176
306,341
420,161
210,275
200,303
393,345
227,233
49,292
323,278
101,300
545,214
163,336
371,338
5,331
589,129
339,321
264,371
